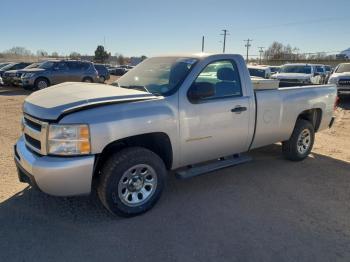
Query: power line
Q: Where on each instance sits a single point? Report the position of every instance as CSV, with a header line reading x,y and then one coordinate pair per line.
x,y
224,43
247,45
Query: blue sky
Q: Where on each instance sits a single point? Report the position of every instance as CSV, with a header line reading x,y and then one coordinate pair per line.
x,y
153,27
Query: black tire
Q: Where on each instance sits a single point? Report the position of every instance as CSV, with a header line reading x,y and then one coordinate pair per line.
x,y
38,83
88,80
290,147
115,168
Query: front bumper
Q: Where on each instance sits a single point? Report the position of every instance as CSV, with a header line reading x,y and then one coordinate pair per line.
x,y
26,81
58,176
7,80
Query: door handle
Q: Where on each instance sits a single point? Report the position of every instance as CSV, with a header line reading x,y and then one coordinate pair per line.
x,y
238,109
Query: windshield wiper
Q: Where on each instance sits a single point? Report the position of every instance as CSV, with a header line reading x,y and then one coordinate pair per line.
x,y
141,88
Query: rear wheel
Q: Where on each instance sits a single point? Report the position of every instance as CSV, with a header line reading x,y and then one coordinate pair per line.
x,y
102,79
88,80
300,144
131,181
41,83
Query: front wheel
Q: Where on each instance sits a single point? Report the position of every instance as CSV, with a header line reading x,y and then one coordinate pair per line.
x,y
131,181
41,83
300,144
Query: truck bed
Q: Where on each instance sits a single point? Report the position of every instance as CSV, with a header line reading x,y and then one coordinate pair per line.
x,y
278,109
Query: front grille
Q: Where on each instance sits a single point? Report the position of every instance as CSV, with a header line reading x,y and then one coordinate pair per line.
x,y
32,141
32,124
344,82
35,132
291,80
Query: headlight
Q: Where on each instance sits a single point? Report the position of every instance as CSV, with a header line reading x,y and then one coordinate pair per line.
x,y
28,75
68,140
332,80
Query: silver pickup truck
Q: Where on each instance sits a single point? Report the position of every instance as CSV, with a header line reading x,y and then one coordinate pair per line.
x,y
192,114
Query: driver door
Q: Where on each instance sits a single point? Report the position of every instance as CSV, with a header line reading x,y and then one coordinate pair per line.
x,y
215,126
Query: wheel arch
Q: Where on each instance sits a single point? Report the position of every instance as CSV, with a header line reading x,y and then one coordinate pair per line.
x,y
157,142
314,116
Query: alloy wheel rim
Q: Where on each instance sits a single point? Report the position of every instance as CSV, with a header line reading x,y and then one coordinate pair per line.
x,y
42,84
137,185
304,141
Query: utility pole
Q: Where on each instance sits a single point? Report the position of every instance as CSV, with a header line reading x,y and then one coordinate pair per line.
x,y
202,44
247,45
224,34
261,51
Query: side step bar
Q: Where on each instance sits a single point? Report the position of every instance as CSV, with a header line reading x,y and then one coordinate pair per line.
x,y
201,169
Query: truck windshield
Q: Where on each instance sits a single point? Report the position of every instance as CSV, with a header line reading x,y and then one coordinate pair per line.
x,y
301,69
257,72
342,68
158,75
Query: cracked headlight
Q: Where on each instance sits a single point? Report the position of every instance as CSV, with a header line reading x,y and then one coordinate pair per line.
x,y
67,140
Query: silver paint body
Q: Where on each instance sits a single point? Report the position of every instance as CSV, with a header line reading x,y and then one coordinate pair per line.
x,y
197,132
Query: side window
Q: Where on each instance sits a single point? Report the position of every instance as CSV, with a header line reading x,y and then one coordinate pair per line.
x,y
73,65
61,66
222,77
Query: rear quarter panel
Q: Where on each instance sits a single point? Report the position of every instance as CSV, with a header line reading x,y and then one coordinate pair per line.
x,y
278,110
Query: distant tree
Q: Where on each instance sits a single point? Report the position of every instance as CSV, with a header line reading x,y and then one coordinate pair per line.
x,y
54,54
101,55
279,51
75,55
143,57
18,51
41,52
121,60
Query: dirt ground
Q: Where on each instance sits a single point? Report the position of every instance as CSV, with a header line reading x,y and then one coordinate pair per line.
x,y
267,210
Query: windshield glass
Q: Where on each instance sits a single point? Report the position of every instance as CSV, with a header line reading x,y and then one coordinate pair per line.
x,y
301,69
342,68
274,69
34,65
257,72
9,66
319,69
158,75
46,65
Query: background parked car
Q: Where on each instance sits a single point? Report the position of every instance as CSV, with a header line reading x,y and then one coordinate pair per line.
x,y
103,72
297,75
259,71
59,71
274,69
321,70
120,70
13,66
13,77
341,78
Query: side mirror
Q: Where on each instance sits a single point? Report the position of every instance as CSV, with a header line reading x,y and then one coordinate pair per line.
x,y
200,91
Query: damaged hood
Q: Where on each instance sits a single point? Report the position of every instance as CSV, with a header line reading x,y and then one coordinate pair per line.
x,y
52,102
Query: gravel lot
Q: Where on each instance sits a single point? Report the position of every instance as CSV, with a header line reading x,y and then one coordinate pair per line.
x,y
267,210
